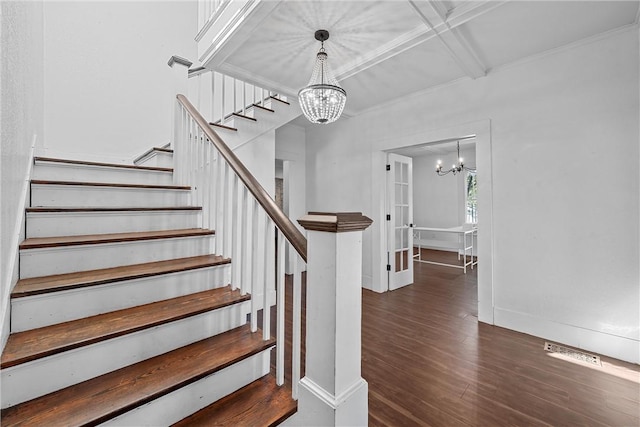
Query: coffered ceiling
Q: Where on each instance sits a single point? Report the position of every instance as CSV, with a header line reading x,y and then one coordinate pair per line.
x,y
381,50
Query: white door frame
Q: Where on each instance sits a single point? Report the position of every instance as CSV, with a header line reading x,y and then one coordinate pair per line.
x,y
482,131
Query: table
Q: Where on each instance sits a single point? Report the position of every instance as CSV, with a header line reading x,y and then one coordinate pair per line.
x,y
465,242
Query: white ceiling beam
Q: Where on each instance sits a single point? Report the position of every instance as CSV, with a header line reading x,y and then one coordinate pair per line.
x,y
416,36
453,42
471,10
383,52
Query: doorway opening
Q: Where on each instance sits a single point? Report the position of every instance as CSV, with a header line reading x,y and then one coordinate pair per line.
x,y
467,208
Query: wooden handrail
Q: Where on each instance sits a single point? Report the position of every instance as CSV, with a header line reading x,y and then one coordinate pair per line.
x,y
295,237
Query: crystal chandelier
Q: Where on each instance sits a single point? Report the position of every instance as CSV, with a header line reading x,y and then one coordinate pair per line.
x,y
454,168
322,100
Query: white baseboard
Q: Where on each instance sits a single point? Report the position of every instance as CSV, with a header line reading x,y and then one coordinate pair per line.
x,y
622,348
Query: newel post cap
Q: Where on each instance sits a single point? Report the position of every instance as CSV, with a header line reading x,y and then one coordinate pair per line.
x,y
335,222
179,60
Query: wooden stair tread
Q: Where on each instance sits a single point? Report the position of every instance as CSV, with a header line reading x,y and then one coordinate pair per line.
x,y
110,184
109,209
99,399
242,116
110,165
280,100
261,403
263,108
224,127
33,344
151,150
60,282
92,239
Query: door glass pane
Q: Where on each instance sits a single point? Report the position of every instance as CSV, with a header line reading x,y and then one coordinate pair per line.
x,y
405,238
398,238
405,194
405,260
405,173
398,218
405,215
398,195
398,266
398,171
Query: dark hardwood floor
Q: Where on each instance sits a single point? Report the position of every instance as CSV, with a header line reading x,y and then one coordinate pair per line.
x,y
430,363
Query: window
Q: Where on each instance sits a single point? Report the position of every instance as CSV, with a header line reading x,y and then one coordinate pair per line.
x,y
471,198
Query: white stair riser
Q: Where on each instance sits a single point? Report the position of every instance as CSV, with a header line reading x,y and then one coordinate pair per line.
x,y
49,224
29,380
42,310
82,196
157,159
88,173
181,403
68,259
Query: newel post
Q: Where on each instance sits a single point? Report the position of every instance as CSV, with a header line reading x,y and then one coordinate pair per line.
x,y
333,391
180,68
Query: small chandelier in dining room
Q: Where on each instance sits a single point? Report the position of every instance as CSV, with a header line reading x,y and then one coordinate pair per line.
x,y
322,100
455,168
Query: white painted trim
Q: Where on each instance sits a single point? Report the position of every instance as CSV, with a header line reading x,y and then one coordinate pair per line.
x,y
622,348
484,159
329,399
13,263
211,20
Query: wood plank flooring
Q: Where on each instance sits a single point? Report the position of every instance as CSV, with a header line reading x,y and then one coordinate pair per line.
x,y
430,363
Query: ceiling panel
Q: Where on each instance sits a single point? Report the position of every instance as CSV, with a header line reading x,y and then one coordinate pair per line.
x,y
422,67
386,49
522,28
284,48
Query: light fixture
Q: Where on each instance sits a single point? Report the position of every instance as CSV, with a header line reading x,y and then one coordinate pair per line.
x,y
455,168
322,100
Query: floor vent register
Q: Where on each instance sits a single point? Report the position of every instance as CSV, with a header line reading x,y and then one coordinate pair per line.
x,y
572,353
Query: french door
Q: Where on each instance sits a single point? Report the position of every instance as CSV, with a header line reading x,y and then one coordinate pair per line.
x,y
399,221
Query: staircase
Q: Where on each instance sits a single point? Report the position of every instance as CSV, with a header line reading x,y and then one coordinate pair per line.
x,y
124,314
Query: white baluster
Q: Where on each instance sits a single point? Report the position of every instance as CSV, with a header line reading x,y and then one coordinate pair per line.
x,y
297,327
235,104
220,206
236,261
247,259
269,265
280,307
244,98
256,270
228,210
223,111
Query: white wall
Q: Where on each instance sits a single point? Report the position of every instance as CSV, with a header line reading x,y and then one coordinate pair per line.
x,y
439,201
21,80
290,148
563,145
107,83
259,157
